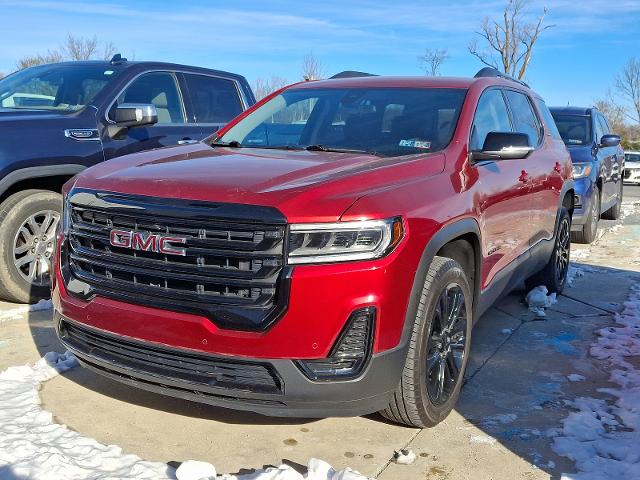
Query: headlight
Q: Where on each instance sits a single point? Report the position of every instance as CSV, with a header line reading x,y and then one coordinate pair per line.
x,y
581,170
343,241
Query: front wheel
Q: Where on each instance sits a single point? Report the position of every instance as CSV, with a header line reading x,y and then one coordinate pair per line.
x,y
438,350
28,222
554,274
589,231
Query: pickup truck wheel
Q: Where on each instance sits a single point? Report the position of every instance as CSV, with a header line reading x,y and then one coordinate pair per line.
x,y
554,274
28,222
589,230
438,350
614,212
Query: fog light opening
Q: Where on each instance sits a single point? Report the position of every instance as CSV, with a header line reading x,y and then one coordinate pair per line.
x,y
351,352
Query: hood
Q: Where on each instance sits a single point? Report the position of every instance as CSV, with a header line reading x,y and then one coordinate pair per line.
x,y
581,153
303,185
12,115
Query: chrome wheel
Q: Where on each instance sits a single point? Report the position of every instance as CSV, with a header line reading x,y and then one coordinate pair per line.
x,y
563,248
447,344
33,247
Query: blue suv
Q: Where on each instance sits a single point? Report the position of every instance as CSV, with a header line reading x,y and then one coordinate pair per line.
x,y
598,163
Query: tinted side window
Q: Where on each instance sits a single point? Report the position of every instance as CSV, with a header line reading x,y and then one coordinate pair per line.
x,y
597,127
548,119
491,116
159,89
604,125
214,100
524,119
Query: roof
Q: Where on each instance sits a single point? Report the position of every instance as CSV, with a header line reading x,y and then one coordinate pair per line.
x,y
572,110
376,81
142,65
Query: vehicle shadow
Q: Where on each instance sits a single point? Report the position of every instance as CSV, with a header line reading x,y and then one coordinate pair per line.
x,y
516,383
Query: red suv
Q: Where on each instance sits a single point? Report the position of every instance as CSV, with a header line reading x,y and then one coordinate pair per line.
x,y
326,253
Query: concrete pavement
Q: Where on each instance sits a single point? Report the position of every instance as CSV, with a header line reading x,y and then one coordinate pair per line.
x,y
516,384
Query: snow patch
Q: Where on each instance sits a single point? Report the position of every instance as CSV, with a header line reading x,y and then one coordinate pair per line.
x,y
483,439
33,446
499,419
538,300
602,435
404,457
573,273
17,312
574,377
580,254
506,331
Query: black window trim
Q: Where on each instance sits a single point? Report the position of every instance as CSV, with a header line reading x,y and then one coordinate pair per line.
x,y
175,73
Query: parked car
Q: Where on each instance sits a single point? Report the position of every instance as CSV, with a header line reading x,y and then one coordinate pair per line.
x,y
326,253
632,167
58,119
598,163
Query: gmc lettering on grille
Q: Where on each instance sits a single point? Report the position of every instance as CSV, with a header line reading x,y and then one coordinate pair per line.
x,y
147,241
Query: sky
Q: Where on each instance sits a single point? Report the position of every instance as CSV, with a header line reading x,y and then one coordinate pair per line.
x,y
573,63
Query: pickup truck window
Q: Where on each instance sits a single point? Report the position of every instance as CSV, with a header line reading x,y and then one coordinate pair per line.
x,y
159,89
215,100
387,121
61,88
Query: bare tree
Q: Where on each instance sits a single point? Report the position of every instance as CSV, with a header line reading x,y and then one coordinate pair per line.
x,y
74,48
615,113
628,85
265,86
510,41
312,67
432,60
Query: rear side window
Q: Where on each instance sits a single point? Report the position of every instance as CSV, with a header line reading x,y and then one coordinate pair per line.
x,y
159,89
550,123
525,121
214,100
491,116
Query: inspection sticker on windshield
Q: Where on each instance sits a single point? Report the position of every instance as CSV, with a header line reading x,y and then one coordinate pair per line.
x,y
413,143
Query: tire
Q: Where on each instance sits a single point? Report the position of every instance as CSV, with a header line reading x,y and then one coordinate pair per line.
x,y
614,212
554,274
589,230
415,402
21,240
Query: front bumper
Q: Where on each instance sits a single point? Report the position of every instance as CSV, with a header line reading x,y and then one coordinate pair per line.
x,y
584,190
274,387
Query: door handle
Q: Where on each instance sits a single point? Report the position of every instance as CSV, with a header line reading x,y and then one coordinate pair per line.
x,y
187,141
524,177
558,167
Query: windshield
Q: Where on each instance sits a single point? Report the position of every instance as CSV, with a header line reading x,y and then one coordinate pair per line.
x,y
63,88
632,157
574,129
383,121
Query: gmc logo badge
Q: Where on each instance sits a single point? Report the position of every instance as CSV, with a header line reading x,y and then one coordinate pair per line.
x,y
147,242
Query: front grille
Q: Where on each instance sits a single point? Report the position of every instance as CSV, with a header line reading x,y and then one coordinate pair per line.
x,y
232,269
177,369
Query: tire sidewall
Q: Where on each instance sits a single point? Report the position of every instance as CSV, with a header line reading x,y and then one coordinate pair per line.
x,y
14,283
450,272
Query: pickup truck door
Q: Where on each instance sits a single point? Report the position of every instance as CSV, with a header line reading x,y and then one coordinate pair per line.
x,y
175,126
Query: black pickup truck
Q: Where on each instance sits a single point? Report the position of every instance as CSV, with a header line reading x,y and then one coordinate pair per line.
x,y
56,120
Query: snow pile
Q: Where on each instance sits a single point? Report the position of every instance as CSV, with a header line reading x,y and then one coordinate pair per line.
x,y
33,446
404,457
580,254
17,312
602,436
573,273
538,300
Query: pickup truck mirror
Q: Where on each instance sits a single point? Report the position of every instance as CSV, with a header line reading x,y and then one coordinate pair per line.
x,y
503,146
609,141
131,115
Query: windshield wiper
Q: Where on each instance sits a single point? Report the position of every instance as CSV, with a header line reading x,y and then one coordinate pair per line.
x,y
323,148
231,144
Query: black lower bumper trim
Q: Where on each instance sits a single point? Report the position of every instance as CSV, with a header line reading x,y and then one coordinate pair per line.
x,y
299,396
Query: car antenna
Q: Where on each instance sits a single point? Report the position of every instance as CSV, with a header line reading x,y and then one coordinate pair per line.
x,y
117,59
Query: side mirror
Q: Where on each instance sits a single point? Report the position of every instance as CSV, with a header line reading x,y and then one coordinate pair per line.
x,y
131,115
609,141
504,146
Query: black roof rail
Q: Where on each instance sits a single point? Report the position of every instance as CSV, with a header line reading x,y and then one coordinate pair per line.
x,y
352,74
117,59
494,72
